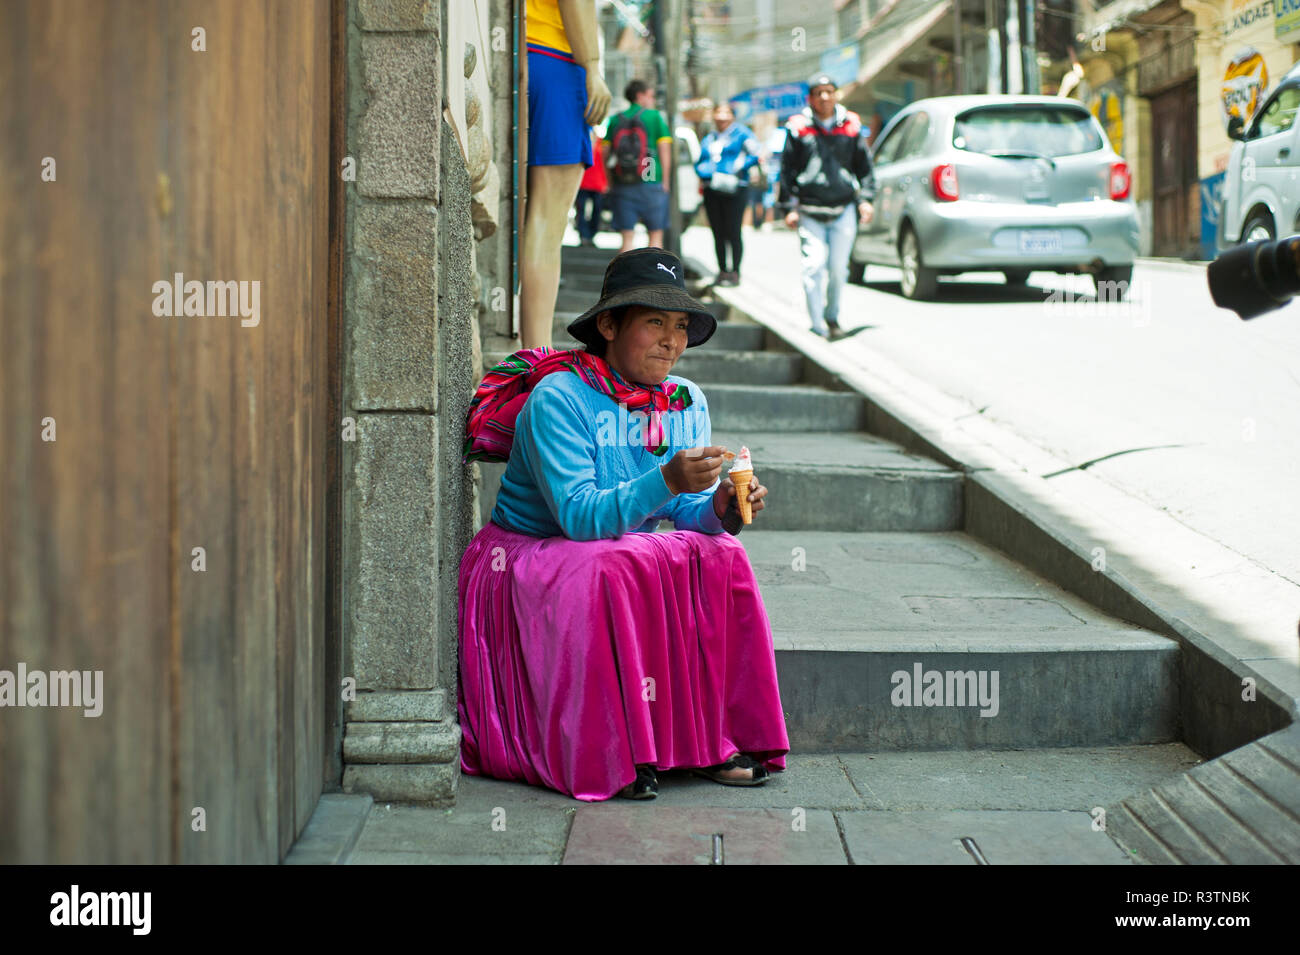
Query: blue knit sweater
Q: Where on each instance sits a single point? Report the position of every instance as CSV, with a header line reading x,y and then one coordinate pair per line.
x,y
579,467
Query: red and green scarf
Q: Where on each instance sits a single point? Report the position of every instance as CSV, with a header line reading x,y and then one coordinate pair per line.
x,y
500,397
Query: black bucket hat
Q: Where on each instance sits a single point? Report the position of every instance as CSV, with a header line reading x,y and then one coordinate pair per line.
x,y
651,277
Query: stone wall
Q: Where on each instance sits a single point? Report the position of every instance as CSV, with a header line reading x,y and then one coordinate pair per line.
x,y
413,297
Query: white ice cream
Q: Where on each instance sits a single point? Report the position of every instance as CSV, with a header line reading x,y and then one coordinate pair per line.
x,y
743,461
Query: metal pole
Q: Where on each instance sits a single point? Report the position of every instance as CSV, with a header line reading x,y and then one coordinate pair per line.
x,y
671,50
994,46
1015,58
958,56
1032,84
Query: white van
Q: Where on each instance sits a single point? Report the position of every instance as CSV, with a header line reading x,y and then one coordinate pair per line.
x,y
1261,189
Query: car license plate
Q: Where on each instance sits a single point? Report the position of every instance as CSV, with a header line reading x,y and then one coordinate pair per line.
x,y
1040,241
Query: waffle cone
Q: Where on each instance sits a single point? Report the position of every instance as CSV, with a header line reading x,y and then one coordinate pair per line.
x,y
742,480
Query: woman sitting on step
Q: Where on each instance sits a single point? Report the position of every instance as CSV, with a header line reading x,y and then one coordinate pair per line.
x,y
593,651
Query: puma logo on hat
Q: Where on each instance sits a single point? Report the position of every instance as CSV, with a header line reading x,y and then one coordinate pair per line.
x,y
671,271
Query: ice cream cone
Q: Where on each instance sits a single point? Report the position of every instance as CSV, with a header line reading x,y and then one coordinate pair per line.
x,y
742,481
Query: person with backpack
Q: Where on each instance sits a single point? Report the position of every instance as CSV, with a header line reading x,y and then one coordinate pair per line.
x,y
640,155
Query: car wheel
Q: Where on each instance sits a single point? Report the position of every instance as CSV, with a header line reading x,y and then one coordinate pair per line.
x,y
1258,228
1113,282
857,272
1017,276
918,282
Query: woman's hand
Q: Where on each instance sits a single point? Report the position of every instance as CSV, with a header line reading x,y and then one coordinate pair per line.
x,y
726,492
692,470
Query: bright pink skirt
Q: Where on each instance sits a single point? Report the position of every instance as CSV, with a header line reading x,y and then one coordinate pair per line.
x,y
580,660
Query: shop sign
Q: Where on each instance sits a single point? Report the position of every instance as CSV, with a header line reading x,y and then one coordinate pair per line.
x,y
1287,19
841,63
1244,84
785,100
1244,15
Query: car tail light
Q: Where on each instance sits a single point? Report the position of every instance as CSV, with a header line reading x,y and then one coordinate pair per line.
x,y
943,179
1121,181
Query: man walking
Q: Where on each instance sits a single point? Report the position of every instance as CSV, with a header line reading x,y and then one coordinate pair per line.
x,y
827,185
640,150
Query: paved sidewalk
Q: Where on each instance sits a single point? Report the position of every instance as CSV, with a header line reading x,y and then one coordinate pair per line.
x,y
1018,807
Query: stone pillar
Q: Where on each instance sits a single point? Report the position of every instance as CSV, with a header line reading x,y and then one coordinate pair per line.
x,y
403,497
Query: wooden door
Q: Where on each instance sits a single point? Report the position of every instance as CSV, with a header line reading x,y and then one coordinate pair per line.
x,y
1175,195
172,534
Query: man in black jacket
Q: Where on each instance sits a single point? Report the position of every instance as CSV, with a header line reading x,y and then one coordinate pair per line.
x,y
827,185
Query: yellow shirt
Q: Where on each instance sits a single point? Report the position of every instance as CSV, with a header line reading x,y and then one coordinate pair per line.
x,y
545,27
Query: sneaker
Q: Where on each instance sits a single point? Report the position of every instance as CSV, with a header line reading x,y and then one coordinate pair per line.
x,y
836,332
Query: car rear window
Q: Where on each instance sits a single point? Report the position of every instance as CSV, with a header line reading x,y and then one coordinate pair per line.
x,y
1043,130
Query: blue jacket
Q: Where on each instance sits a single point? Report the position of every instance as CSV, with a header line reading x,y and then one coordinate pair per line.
x,y
579,468
736,151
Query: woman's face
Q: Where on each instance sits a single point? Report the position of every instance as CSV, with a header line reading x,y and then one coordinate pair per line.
x,y
647,345
722,118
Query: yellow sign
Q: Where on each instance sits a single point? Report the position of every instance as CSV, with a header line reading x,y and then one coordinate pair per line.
x,y
1105,105
1244,83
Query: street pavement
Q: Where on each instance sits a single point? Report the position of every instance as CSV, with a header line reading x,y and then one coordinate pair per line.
x,y
1037,807
1217,399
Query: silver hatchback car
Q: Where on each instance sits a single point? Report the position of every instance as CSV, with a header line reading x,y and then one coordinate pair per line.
x,y
1009,184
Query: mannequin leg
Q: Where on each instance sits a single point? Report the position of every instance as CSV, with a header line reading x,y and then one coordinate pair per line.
x,y
551,192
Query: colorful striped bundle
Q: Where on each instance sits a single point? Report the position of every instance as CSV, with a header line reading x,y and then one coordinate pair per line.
x,y
490,430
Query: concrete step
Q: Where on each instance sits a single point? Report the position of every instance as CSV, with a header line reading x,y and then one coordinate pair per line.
x,y
585,261
855,615
729,336
872,484
1242,808
734,336
578,292
788,408
714,366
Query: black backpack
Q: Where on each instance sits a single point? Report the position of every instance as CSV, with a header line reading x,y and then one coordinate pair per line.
x,y
629,149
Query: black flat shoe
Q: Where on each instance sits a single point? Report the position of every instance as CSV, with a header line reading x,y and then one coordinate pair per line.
x,y
645,786
758,774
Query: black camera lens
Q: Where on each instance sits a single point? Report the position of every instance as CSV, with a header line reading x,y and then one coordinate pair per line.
x,y
1256,278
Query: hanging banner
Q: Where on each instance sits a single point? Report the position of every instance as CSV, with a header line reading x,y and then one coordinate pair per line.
x,y
785,100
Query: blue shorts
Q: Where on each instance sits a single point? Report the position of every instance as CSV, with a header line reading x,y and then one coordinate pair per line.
x,y
558,135
643,201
